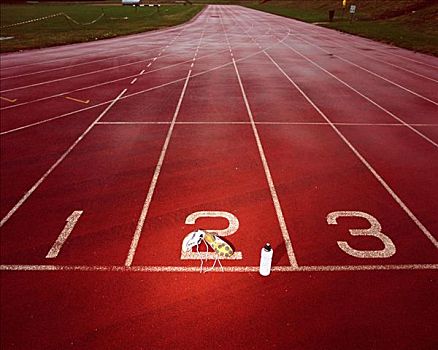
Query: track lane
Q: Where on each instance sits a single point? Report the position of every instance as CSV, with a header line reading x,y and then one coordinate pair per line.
x,y
329,306
17,169
361,176
219,186
52,184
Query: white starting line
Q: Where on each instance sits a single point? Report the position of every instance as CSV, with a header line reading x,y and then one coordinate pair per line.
x,y
118,268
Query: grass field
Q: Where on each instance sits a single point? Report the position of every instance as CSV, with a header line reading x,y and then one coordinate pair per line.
x,y
411,24
117,20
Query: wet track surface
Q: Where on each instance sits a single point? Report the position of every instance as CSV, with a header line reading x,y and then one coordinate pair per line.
x,y
273,130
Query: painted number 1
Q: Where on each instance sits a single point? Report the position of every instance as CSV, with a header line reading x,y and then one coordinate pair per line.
x,y
375,231
71,222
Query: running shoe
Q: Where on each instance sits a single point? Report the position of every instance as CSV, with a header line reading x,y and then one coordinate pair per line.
x,y
192,239
222,248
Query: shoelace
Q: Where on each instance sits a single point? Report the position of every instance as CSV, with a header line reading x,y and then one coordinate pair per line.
x,y
216,259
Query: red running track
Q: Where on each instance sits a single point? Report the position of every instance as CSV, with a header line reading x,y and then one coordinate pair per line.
x,y
272,130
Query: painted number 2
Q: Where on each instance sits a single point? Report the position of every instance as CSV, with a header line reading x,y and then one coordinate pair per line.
x,y
375,231
233,222
233,226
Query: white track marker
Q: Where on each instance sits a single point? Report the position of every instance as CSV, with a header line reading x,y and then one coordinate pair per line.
x,y
276,201
71,223
133,81
362,159
53,167
278,269
141,220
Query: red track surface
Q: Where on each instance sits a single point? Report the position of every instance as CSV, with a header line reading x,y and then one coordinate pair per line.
x,y
275,121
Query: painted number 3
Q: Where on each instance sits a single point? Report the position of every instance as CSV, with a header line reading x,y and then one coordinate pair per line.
x,y
375,231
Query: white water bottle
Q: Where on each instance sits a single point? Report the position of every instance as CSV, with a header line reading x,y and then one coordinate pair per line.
x,y
266,260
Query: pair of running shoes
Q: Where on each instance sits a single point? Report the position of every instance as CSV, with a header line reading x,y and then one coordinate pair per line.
x,y
222,248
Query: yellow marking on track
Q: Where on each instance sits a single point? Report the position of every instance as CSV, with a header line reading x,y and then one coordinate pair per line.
x,y
7,99
77,100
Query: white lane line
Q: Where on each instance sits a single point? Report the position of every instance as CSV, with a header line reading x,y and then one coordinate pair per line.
x,y
74,76
105,82
141,220
136,93
89,87
273,191
372,73
53,167
278,210
133,81
75,65
147,202
363,96
264,123
355,41
71,223
362,159
357,51
87,108
276,269
368,268
134,123
407,58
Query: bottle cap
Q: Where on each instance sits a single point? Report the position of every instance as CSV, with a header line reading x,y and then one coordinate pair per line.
x,y
267,247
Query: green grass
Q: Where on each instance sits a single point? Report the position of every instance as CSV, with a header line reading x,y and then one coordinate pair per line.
x,y
411,24
118,20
